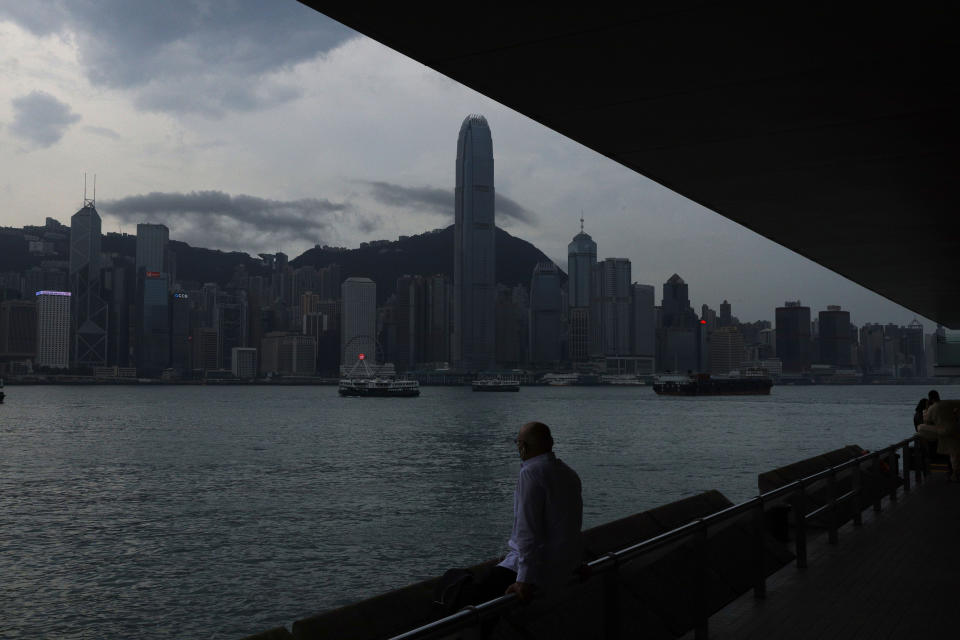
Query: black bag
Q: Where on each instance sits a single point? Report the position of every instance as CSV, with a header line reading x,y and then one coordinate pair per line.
x,y
447,590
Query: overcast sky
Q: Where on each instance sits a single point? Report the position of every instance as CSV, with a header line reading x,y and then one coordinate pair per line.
x,y
266,126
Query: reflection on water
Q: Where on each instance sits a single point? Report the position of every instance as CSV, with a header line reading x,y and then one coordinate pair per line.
x,y
219,512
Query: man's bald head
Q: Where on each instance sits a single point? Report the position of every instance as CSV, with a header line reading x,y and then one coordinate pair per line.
x,y
534,439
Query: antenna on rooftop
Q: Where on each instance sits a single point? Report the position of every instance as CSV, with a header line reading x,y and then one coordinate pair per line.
x,y
89,202
581,220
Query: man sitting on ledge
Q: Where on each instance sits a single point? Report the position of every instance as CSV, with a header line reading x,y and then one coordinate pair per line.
x,y
545,545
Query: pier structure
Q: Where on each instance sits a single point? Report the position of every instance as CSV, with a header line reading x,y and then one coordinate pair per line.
x,y
846,544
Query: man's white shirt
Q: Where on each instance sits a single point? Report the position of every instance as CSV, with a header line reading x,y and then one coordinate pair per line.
x,y
545,544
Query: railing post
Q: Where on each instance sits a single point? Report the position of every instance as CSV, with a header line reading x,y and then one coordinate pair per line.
x,y
920,446
894,466
832,501
879,494
760,552
611,600
906,467
857,495
800,526
702,629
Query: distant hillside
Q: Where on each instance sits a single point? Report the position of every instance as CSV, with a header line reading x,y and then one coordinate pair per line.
x,y
193,263
423,255
383,261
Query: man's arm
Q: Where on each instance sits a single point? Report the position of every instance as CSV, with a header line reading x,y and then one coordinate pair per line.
x,y
531,530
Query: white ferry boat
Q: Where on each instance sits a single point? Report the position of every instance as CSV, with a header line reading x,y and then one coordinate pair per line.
x,y
624,380
496,384
560,379
361,382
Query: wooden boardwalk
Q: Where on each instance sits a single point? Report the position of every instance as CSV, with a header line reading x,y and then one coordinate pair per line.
x,y
897,576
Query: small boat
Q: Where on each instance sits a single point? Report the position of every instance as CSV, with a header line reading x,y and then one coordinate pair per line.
x,y
360,382
705,385
560,379
496,384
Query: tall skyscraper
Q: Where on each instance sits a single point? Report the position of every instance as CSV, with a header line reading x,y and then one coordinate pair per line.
x,y
545,302
681,339
835,337
90,312
643,320
180,308
726,315
793,337
153,324
474,251
581,261
152,242
677,311
18,329
53,329
614,294
359,321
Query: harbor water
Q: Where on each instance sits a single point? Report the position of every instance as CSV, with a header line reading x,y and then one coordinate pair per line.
x,y
218,512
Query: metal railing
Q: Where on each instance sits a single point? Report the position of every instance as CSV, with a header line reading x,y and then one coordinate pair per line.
x,y
606,567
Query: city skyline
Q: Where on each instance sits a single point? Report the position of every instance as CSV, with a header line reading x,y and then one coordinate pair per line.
x,y
270,151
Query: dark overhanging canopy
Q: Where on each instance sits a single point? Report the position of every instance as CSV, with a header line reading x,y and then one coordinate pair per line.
x,y
830,130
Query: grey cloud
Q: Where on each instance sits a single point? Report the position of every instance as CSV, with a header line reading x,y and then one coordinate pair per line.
x,y
217,219
188,55
102,131
41,119
440,201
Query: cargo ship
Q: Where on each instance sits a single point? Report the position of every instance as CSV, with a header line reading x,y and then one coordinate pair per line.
x,y
705,385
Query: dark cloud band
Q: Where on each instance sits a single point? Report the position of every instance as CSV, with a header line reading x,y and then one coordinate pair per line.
x,y
218,219
440,201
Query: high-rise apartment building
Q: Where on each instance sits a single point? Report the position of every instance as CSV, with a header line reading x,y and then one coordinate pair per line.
x,y
90,312
545,315
358,317
474,269
793,337
53,329
726,350
581,262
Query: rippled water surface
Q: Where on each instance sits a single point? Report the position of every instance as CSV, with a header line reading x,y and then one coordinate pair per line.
x,y
205,512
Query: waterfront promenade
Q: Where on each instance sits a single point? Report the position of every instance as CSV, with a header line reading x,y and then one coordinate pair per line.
x,y
896,576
